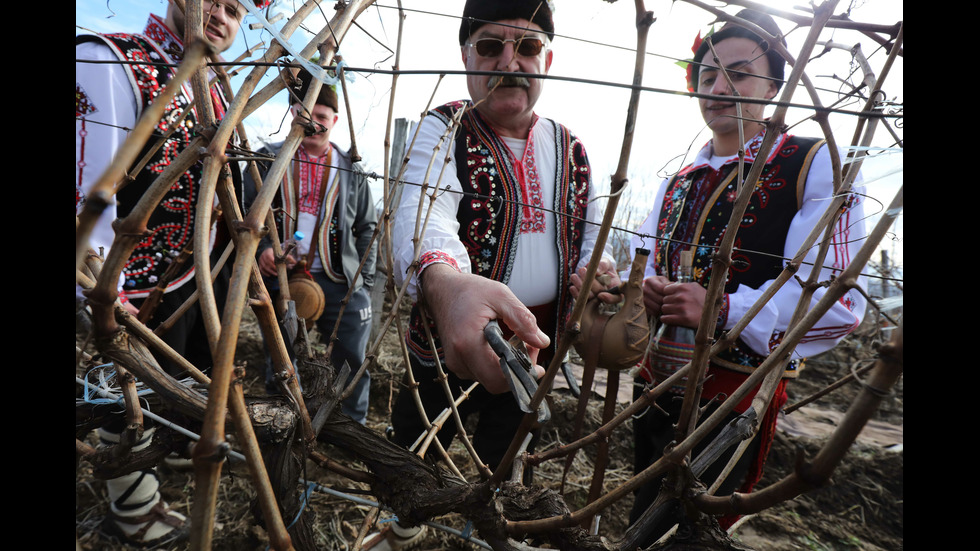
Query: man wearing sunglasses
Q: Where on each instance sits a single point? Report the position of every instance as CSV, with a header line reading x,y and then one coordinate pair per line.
x,y
504,240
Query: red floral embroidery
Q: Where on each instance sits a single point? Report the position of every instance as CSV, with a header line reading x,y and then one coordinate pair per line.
x,y
309,179
534,219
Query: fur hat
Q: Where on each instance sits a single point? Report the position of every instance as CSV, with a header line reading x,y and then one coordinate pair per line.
x,y
328,95
777,64
476,13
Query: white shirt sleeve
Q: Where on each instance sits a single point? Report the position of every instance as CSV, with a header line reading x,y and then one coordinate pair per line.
x,y
594,215
644,237
441,229
109,111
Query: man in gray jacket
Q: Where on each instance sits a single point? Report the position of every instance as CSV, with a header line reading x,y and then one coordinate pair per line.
x,y
326,197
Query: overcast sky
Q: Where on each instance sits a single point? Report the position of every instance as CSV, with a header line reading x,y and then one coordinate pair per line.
x,y
595,41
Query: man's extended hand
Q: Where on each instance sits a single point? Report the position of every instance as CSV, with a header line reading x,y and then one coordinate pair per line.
x,y
462,305
267,262
605,268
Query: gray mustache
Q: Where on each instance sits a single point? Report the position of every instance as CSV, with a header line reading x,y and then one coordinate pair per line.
x,y
498,80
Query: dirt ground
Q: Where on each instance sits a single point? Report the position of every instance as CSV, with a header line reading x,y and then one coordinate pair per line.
x,y
863,509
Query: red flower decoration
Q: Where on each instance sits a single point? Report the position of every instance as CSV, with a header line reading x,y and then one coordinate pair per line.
x,y
690,64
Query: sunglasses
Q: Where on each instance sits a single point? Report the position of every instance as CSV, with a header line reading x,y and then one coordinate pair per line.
x,y
492,47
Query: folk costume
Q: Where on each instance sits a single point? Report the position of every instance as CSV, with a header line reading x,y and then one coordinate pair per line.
x,y
511,210
109,99
694,207
328,199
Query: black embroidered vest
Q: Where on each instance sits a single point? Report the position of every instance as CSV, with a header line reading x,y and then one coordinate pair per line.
x,y
758,249
490,213
171,225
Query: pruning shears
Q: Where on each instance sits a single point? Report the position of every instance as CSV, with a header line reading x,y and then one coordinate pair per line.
x,y
515,363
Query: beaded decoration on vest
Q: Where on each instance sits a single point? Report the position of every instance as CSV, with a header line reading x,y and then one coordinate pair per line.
x,y
697,207
491,214
171,225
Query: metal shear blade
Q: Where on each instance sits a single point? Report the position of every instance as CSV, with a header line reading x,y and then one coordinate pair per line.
x,y
516,366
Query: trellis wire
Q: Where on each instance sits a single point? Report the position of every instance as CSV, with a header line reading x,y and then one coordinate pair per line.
x,y
671,92
111,398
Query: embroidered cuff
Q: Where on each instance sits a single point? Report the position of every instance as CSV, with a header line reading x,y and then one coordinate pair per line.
x,y
428,259
436,257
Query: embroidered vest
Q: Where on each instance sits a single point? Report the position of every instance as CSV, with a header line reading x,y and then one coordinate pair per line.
x,y
491,213
171,225
697,207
